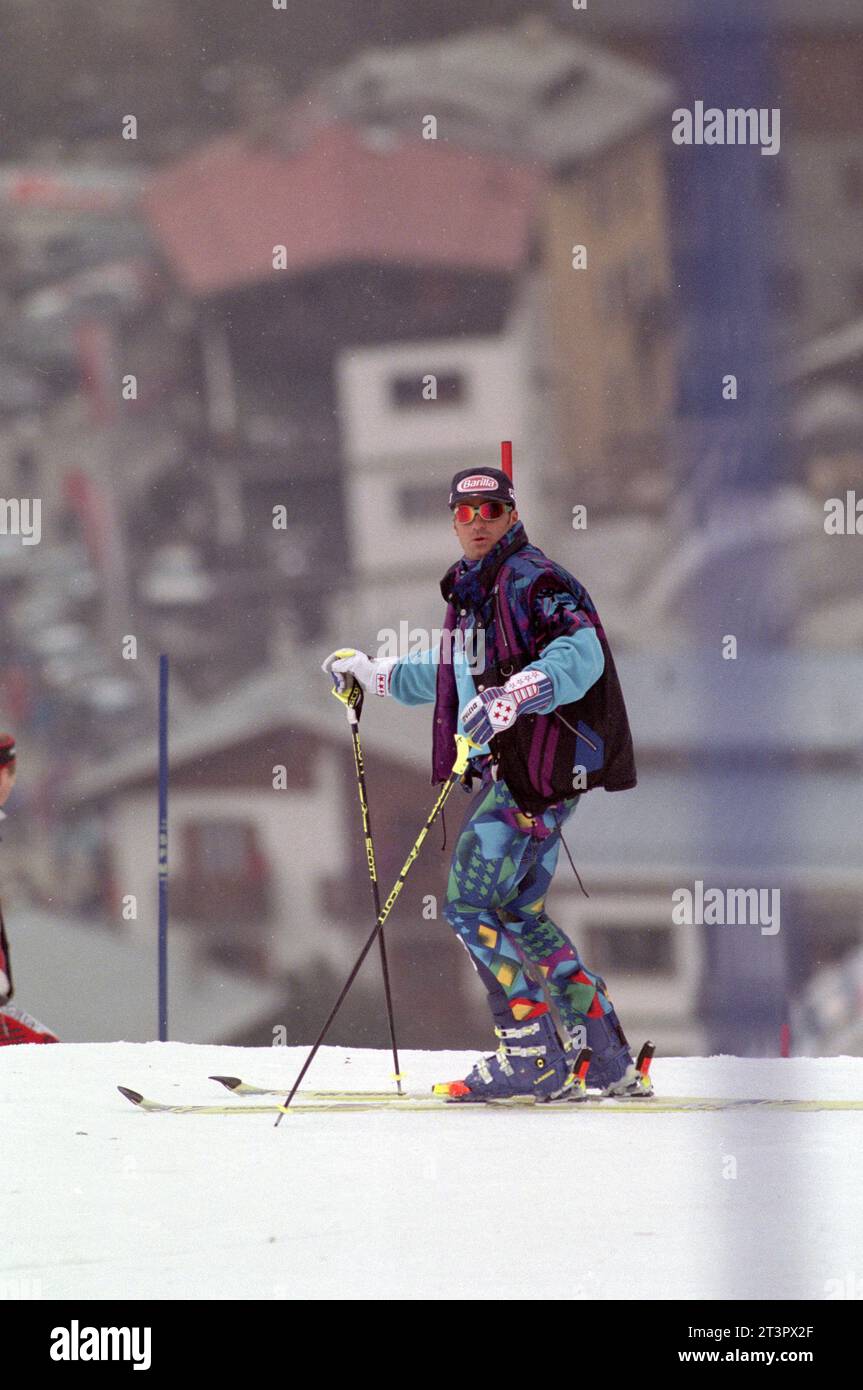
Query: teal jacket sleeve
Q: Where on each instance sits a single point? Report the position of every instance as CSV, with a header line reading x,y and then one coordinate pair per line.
x,y
573,658
414,678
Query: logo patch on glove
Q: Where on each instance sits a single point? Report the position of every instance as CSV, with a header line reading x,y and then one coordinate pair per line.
x,y
472,709
501,712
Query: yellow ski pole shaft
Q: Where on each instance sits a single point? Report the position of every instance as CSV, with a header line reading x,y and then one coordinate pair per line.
x,y
463,746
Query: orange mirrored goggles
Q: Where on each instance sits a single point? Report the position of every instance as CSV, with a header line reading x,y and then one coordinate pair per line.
x,y
488,511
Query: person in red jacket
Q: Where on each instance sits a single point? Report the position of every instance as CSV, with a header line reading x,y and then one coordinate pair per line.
x,y
16,1026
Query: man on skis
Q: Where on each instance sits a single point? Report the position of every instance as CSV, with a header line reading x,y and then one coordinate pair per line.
x,y
548,716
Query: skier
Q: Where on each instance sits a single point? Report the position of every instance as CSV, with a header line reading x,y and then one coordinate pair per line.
x,y
16,1026
545,708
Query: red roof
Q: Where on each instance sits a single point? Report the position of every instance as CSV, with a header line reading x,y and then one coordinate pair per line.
x,y
219,213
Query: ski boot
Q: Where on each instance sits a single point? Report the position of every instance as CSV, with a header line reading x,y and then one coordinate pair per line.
x,y
611,1058
635,1082
578,1090
531,1064
613,1072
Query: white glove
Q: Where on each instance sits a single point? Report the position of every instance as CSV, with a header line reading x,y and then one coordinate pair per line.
x,y
372,672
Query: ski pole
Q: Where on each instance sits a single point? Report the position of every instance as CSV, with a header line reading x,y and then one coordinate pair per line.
x,y
463,747
352,699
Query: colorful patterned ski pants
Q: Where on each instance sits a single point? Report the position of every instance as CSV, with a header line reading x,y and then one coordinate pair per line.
x,y
502,867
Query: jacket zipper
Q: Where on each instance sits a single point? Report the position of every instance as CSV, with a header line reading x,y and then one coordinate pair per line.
x,y
502,629
577,732
500,625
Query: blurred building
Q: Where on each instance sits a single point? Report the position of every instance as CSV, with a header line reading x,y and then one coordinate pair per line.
x,y
377,257
388,277
827,377
602,346
303,384
816,179
98,987
270,882
76,266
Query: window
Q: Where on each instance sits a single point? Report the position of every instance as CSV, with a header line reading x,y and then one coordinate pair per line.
x,y
435,294
418,501
222,848
566,83
225,882
645,950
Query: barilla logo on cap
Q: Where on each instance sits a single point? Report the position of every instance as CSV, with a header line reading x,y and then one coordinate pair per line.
x,y
476,483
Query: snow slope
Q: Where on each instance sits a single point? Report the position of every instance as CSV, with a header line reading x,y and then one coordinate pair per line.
x,y
99,1200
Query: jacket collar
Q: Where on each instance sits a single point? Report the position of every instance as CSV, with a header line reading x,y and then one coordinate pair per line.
x,y
466,581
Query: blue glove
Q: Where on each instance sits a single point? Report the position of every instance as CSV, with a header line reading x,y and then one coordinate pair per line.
x,y
497,708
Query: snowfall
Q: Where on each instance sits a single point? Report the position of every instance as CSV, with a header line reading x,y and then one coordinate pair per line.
x,y
100,1200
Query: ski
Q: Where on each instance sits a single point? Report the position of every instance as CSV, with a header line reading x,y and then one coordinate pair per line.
x,y
243,1088
335,1102
238,1087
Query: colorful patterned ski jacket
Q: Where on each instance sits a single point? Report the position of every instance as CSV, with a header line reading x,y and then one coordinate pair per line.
x,y
530,612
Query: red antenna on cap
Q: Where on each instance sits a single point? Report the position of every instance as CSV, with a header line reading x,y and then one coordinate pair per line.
x,y
506,457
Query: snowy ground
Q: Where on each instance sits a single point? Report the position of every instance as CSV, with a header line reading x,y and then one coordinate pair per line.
x,y
98,1200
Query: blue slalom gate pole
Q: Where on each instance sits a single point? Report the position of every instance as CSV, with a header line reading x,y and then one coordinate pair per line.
x,y
163,848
